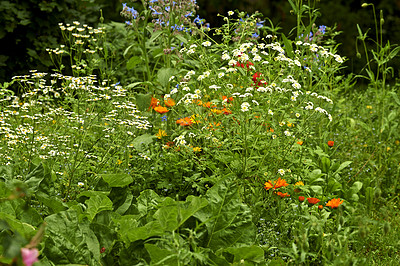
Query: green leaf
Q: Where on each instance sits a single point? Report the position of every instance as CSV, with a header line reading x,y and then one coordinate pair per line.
x,y
161,256
147,201
356,187
173,214
141,142
228,220
133,61
70,241
252,255
117,180
129,232
143,101
342,166
288,45
164,74
98,203
317,189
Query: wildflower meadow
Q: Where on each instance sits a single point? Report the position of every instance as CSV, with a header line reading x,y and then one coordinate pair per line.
x,y
167,141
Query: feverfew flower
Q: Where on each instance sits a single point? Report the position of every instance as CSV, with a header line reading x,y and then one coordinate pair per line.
x,y
270,112
206,43
245,107
230,13
281,171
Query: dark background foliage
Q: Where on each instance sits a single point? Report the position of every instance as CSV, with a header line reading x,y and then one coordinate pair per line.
x,y
28,27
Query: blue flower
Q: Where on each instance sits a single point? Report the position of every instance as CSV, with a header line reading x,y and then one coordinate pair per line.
x,y
255,35
163,118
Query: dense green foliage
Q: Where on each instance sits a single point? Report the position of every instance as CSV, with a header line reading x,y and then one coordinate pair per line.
x,y
166,141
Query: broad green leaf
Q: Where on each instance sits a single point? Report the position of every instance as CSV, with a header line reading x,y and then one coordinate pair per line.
x,y
143,101
342,166
317,189
252,255
69,241
129,232
356,187
24,229
172,214
98,203
117,180
133,61
161,256
164,74
141,142
147,201
228,220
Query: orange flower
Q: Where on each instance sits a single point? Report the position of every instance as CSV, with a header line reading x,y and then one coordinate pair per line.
x,y
330,143
169,102
154,102
161,133
301,198
313,200
320,207
275,184
186,121
226,111
300,143
228,100
282,195
161,109
334,203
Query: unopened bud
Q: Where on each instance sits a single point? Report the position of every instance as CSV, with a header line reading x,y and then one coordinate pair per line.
x,y
364,5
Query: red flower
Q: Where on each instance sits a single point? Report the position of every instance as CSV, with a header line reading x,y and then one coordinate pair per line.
x,y
330,143
102,250
301,198
313,200
334,203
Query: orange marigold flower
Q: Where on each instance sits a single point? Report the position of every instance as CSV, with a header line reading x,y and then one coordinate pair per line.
x,y
320,207
313,200
228,100
275,184
186,121
334,203
153,103
161,109
226,111
282,195
330,143
169,102
301,198
300,143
